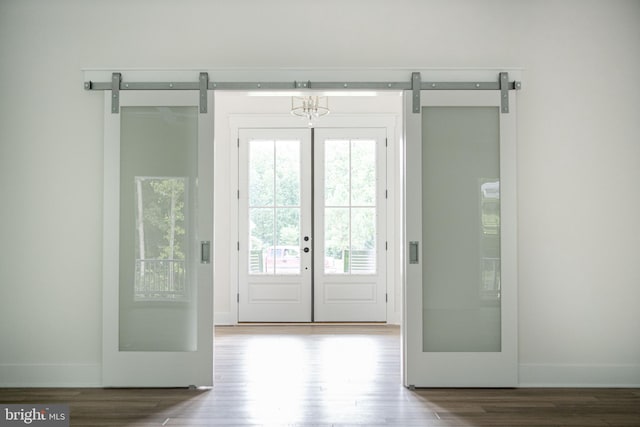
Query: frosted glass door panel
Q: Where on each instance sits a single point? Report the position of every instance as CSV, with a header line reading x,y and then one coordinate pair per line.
x,y
158,169
461,229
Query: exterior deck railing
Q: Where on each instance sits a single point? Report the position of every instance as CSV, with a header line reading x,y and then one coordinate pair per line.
x,y
160,279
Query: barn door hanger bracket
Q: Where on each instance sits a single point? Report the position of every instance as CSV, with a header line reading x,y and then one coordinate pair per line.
x,y
416,86
504,92
204,87
116,81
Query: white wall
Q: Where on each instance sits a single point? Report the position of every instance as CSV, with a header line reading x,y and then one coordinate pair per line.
x,y
579,147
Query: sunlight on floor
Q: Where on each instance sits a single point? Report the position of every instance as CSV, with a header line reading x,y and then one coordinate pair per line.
x,y
276,378
348,365
291,378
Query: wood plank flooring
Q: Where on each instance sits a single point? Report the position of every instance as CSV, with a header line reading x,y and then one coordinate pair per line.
x,y
329,375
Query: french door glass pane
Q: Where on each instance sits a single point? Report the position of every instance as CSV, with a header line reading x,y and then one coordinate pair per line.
x,y
363,241
287,171
287,254
261,173
350,206
461,229
262,223
336,240
363,173
336,173
158,167
274,206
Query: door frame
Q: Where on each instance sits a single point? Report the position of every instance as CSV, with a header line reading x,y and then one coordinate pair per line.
x,y
100,79
392,123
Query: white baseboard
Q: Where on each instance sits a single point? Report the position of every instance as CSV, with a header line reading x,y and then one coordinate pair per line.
x,y
224,318
51,375
394,319
228,318
578,375
531,375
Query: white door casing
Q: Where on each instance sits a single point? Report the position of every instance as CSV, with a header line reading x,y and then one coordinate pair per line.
x,y
350,282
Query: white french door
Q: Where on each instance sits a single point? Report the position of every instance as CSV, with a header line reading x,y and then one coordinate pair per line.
x,y
312,225
460,320
349,238
158,226
274,247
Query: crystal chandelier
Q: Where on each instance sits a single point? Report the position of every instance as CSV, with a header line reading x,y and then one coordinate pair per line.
x,y
309,107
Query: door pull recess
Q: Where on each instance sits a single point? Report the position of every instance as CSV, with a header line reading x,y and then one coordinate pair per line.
x,y
205,252
414,257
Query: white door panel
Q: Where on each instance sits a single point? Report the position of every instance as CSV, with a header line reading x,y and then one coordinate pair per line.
x,y
158,202
460,235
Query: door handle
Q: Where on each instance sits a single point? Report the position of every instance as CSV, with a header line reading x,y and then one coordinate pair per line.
x,y
205,252
414,256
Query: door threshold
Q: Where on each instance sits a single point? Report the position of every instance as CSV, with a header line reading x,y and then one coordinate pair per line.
x,y
312,323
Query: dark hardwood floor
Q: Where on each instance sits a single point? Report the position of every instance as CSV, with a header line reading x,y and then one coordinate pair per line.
x,y
326,375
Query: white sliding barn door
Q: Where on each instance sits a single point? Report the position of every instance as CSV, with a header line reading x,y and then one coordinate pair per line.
x,y
460,320
158,222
